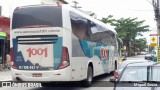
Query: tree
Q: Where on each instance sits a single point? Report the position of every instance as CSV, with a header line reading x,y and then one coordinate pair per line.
x,y
141,44
127,29
109,19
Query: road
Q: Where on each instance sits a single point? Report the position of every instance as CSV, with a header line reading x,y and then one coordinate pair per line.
x,y
100,82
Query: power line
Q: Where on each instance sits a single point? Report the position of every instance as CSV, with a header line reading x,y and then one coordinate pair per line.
x,y
150,3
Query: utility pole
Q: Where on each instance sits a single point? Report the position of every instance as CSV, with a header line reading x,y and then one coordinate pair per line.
x,y
158,30
76,4
0,10
156,4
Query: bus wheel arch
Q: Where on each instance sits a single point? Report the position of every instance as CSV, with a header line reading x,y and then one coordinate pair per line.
x,y
91,65
115,65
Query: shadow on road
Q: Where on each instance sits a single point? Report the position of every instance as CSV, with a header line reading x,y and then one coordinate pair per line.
x,y
99,81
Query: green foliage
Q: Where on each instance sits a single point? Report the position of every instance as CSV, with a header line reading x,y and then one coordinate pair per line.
x,y
141,43
127,28
109,19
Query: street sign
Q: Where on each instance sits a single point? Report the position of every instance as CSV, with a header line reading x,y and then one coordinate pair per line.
x,y
153,35
153,44
153,40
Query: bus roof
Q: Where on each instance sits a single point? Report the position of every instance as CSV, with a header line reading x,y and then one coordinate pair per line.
x,y
107,26
69,8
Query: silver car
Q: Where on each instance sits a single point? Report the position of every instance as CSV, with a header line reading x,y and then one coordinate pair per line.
x,y
139,76
123,65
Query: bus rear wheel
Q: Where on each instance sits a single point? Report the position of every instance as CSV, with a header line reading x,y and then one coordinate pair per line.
x,y
88,81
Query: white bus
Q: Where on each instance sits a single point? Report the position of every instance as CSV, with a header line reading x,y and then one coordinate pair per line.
x,y
59,43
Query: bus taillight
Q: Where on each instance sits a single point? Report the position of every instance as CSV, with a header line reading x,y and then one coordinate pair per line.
x,y
65,58
58,4
12,59
16,8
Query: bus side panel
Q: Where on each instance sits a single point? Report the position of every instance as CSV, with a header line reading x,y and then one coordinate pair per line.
x,y
78,60
67,30
77,65
67,41
84,52
112,59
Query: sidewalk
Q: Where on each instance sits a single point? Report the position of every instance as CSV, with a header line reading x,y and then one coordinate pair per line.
x,y
5,75
136,57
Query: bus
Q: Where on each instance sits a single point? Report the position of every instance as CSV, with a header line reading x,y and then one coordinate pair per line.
x,y
59,43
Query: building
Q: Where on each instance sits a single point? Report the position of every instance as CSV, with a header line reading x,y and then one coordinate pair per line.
x,y
4,38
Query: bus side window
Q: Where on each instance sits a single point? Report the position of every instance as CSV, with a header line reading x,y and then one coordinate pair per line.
x,y
79,27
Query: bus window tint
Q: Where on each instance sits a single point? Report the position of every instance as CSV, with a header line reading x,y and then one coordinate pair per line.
x,y
79,26
100,34
84,29
30,16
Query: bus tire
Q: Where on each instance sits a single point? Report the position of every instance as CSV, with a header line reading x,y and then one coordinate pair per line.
x,y
88,81
115,65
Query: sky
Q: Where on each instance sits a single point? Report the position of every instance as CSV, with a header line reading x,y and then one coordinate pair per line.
x,y
142,9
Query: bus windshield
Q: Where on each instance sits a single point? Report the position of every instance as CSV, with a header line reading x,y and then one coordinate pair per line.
x,y
32,16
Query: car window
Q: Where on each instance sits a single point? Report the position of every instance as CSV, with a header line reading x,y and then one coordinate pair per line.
x,y
123,64
134,74
155,75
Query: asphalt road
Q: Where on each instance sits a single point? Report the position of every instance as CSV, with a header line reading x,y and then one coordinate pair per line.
x,y
100,83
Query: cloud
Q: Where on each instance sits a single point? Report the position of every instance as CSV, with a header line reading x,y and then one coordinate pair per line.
x,y
9,5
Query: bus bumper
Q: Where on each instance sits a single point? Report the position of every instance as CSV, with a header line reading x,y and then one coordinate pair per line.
x,y
45,76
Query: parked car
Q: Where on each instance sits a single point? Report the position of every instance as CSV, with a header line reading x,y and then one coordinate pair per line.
x,y
148,56
123,65
143,53
139,76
